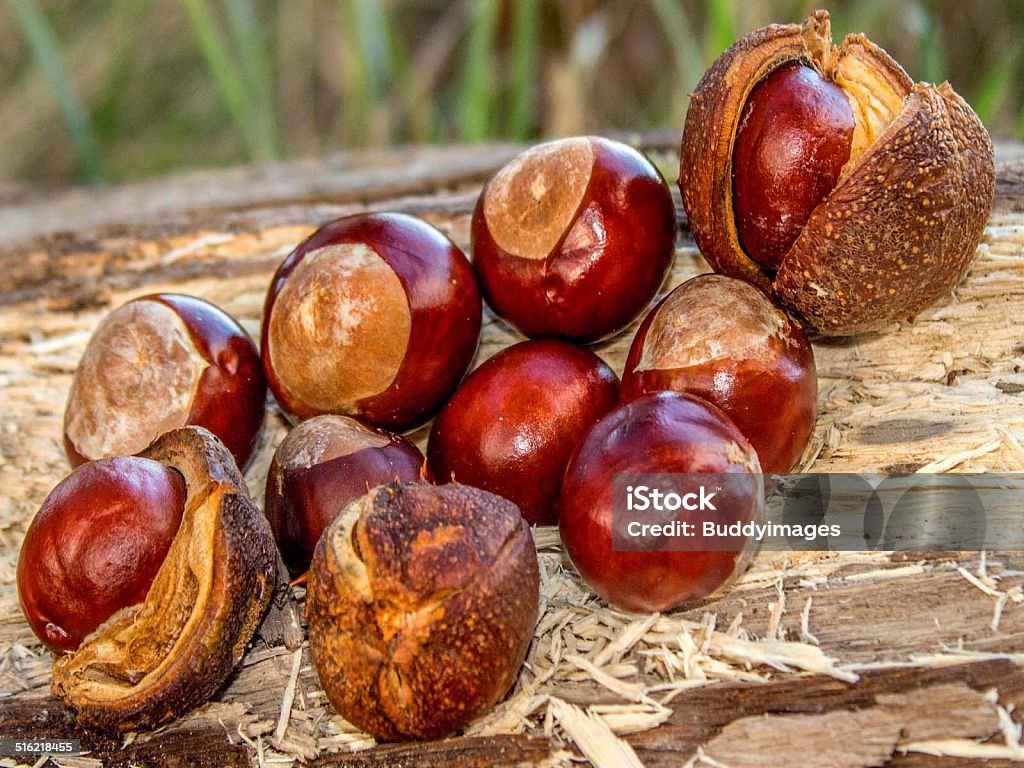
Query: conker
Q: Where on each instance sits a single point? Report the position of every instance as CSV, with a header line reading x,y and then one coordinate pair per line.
x,y
661,432
513,423
573,237
421,603
323,464
158,363
824,174
167,653
793,141
725,341
95,546
375,316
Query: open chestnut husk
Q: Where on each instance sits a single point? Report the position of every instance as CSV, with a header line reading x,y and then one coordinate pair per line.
x,y
421,603
824,174
152,662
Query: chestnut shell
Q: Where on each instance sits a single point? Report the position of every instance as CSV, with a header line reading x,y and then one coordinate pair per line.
x,y
588,286
152,662
899,229
444,306
421,604
658,432
230,393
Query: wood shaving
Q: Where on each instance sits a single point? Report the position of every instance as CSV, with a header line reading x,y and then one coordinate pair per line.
x,y
593,736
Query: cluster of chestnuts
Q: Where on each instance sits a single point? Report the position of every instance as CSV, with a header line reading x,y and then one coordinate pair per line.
x,y
830,193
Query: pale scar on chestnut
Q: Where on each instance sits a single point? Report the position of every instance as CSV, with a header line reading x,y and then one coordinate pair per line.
x,y
531,202
334,303
136,380
734,323
326,438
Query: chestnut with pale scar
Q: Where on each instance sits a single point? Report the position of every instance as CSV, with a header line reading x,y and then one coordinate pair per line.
x,y
726,341
323,464
572,238
373,315
158,363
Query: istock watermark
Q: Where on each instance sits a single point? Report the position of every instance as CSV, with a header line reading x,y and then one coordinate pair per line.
x,y
830,512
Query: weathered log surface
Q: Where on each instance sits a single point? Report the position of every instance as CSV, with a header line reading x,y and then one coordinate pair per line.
x,y
843,660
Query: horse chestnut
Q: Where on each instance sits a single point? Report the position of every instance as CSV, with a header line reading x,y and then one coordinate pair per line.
x,y
96,545
321,465
513,423
158,363
824,174
421,603
725,341
375,316
793,141
573,237
661,432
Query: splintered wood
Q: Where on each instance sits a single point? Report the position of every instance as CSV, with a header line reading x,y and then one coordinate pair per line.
x,y
854,659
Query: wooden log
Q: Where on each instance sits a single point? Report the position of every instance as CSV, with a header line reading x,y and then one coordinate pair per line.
x,y
935,641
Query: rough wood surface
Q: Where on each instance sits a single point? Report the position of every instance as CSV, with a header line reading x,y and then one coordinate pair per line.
x,y
858,659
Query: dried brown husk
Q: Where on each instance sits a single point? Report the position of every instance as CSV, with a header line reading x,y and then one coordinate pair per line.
x,y
421,605
152,662
901,226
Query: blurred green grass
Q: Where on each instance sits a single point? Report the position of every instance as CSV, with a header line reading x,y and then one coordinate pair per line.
x,y
100,91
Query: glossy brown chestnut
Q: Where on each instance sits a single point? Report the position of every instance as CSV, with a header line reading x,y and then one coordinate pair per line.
x,y
158,363
512,425
321,466
662,432
375,316
421,603
95,546
794,139
152,661
725,341
850,226
573,237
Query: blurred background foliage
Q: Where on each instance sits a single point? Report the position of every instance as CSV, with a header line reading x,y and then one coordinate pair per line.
x,y
105,91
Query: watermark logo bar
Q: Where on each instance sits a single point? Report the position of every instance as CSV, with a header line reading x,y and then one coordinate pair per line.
x,y
818,512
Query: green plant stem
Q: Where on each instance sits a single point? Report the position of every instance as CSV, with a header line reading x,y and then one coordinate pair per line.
x,y
45,49
250,41
721,28
228,80
478,73
524,67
